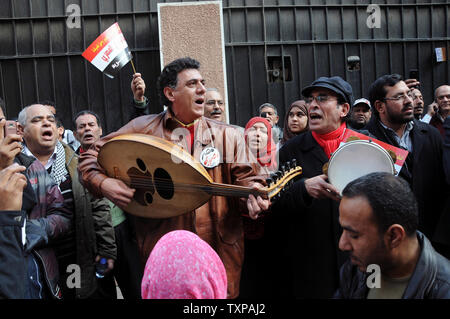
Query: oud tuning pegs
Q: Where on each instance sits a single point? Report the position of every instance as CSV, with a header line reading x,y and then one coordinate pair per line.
x,y
283,169
274,176
293,163
279,174
269,181
288,166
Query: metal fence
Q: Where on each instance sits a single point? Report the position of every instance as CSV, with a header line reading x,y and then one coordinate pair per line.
x,y
273,49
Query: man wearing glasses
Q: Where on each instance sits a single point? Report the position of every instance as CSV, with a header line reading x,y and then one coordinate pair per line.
x,y
393,122
214,106
305,219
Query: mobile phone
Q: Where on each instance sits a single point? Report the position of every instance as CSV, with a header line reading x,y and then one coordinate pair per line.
x,y
10,127
414,74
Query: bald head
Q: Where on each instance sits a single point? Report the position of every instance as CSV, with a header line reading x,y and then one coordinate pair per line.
x,y
442,98
440,89
38,126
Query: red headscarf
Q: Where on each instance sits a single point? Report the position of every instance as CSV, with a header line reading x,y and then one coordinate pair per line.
x,y
267,158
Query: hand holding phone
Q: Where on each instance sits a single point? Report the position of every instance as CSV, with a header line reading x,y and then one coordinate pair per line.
x,y
10,128
9,146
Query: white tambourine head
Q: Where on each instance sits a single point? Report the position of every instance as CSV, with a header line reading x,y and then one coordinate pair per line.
x,y
355,159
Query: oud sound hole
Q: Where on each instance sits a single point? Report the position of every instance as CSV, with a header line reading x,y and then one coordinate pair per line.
x,y
163,183
148,197
140,163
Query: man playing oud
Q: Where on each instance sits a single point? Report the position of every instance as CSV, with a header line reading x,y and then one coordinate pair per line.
x,y
218,221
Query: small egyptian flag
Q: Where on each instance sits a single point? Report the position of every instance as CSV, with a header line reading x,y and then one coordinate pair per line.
x,y
109,52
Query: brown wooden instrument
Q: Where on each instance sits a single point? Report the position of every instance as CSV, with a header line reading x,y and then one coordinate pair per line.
x,y
168,180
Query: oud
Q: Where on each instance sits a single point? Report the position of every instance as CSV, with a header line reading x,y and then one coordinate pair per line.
x,y
168,180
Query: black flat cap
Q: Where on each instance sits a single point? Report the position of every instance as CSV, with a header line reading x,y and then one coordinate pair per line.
x,y
335,83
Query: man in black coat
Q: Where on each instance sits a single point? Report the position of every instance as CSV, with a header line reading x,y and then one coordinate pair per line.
x,y
12,219
393,122
305,229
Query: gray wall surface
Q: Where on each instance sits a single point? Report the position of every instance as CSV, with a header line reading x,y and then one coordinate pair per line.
x,y
40,57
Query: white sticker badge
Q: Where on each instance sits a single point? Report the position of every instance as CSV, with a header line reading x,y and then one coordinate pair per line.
x,y
210,157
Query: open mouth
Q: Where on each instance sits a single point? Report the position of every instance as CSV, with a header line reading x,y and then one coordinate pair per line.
x,y
200,101
88,136
315,116
47,134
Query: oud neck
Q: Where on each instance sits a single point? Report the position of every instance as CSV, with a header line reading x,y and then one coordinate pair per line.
x,y
232,190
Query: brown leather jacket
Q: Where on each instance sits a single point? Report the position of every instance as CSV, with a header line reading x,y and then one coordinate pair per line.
x,y
218,221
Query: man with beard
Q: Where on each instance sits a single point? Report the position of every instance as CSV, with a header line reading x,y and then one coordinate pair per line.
x,y
360,114
417,103
393,122
214,106
378,214
442,98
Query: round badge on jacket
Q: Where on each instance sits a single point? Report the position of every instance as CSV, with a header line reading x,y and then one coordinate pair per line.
x,y
210,157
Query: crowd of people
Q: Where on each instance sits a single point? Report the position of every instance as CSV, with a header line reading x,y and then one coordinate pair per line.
x,y
59,208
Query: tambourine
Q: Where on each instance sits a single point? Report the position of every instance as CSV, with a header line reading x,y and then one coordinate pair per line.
x,y
355,159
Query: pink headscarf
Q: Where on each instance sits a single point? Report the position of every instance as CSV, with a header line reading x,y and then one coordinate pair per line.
x,y
183,266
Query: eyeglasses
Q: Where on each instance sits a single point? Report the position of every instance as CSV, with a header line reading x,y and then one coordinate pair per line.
x,y
319,99
213,102
401,97
441,97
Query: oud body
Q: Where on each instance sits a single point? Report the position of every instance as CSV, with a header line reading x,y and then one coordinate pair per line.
x,y
168,180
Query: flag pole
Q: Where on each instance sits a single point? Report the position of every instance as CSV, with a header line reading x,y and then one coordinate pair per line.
x,y
132,64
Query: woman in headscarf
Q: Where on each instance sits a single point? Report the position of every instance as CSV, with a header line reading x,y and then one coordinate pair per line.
x,y
258,137
296,120
183,266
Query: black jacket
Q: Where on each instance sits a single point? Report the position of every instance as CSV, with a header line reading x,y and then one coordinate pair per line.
x,y
12,259
305,231
447,149
423,170
430,280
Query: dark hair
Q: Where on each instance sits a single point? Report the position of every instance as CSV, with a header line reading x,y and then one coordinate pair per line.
x,y
390,198
377,89
84,112
169,76
59,123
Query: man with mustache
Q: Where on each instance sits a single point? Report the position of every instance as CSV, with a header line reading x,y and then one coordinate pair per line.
x,y
311,260
182,89
442,98
270,112
417,103
360,114
379,216
393,122
88,130
214,105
